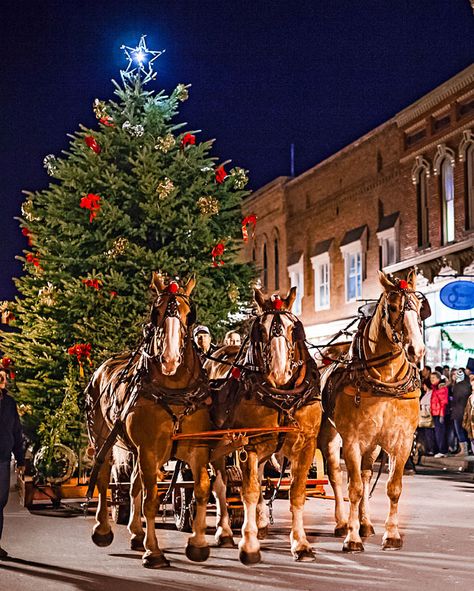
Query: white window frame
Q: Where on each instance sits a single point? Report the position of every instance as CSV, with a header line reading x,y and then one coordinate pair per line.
x,y
390,235
347,250
296,273
318,261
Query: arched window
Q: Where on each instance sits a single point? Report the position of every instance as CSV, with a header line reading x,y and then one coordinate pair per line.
x,y
276,262
419,175
265,268
470,187
447,200
466,155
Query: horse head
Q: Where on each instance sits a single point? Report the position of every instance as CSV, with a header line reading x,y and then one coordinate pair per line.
x,y
172,316
403,311
275,333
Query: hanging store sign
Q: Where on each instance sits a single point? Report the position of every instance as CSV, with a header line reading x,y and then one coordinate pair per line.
x,y
458,295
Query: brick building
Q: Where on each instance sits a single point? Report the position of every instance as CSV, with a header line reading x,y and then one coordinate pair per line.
x,y
400,197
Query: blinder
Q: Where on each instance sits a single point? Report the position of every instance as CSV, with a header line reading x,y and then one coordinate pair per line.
x,y
192,316
425,310
298,331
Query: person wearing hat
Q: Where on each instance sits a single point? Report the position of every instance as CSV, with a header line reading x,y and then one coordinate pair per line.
x,y
470,366
11,440
232,338
461,390
202,338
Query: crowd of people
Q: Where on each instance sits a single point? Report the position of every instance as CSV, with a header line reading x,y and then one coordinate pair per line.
x,y
447,410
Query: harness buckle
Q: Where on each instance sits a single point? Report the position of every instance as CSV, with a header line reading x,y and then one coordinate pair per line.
x,y
243,455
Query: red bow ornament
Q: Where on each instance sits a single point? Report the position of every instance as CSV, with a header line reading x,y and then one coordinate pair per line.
x,y
217,253
26,232
94,283
107,120
7,365
91,142
188,140
92,203
34,260
82,351
220,174
249,220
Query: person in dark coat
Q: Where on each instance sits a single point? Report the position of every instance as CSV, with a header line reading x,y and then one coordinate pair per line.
x,y
460,392
11,440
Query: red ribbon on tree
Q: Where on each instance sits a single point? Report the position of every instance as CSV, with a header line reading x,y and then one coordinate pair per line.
x,y
26,232
34,260
7,366
82,351
91,142
188,140
217,253
249,220
105,121
92,203
94,283
220,174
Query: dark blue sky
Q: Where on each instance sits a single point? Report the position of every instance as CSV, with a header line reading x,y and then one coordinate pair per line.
x,y
264,74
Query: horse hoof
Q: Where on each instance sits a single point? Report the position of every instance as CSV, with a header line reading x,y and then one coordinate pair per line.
x,y
366,530
353,546
226,542
155,561
249,558
262,532
392,544
306,555
340,532
197,553
137,544
103,540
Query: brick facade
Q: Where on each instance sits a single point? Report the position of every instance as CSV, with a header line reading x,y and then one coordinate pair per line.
x,y
361,185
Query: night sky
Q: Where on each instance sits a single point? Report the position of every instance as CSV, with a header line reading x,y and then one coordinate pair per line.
x,y
264,74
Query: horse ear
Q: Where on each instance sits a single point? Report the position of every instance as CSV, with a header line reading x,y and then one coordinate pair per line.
x,y
411,279
259,298
190,285
157,282
290,298
385,282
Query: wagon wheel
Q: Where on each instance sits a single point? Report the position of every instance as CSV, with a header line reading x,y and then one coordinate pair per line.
x,y
120,507
182,499
234,485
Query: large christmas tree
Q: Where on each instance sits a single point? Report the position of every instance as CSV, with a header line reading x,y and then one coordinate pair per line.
x,y
138,193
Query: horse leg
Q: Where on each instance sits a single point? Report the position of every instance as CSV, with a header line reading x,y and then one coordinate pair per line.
x,y
300,463
197,548
224,536
153,557
249,546
352,458
102,534
368,459
263,518
135,528
329,442
391,539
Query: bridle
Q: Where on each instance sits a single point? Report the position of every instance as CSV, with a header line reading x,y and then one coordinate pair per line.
x,y
409,299
277,331
154,330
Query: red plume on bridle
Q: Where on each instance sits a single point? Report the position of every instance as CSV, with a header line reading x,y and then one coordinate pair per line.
x,y
403,285
277,302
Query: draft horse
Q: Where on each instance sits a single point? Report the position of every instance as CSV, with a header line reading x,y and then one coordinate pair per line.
x,y
171,395
372,401
278,388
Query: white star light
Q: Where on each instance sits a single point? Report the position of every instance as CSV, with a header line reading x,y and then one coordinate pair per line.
x,y
140,60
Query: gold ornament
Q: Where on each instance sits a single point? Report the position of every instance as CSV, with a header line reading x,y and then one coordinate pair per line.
x,y
165,188
27,211
118,248
6,316
240,178
100,109
233,293
208,205
25,409
182,93
165,143
47,295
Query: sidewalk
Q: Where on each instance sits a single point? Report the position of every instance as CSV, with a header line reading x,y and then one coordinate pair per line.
x,y
449,464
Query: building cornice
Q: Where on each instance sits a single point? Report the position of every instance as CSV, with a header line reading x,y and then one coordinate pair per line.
x,y
429,101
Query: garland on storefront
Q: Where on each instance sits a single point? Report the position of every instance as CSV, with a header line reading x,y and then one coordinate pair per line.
x,y
446,337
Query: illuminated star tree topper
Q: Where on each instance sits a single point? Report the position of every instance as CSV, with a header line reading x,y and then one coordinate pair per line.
x,y
140,62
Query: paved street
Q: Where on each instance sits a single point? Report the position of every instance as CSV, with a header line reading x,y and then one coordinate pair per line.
x,y
51,552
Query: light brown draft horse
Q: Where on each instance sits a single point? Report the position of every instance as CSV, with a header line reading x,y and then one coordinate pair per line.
x,y
279,387
173,395
374,399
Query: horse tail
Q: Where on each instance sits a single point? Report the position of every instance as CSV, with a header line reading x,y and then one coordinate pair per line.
x,y
122,462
